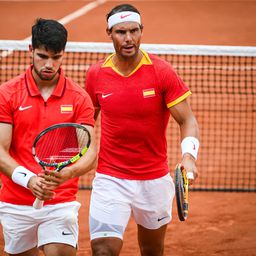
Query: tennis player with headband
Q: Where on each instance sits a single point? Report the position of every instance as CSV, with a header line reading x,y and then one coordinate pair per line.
x,y
136,92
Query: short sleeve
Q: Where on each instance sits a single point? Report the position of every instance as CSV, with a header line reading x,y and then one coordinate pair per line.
x,y
90,84
5,106
174,89
85,110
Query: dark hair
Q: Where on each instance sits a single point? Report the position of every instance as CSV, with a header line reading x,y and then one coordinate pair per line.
x,y
122,8
50,34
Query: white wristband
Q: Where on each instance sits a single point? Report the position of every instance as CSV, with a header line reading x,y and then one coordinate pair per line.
x,y
190,145
190,175
21,176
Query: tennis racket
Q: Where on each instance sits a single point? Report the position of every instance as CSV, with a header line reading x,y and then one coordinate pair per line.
x,y
181,191
59,146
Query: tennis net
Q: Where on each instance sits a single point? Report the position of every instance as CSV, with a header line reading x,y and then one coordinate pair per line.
x,y
223,82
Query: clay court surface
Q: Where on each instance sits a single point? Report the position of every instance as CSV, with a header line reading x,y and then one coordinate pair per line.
x,y
219,223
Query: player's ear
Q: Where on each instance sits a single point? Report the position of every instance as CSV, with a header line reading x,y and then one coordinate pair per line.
x,y
109,32
30,48
141,28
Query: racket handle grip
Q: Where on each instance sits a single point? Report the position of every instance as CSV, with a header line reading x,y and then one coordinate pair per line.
x,y
38,204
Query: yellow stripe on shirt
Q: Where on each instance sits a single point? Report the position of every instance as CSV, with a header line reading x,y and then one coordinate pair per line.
x,y
144,61
184,96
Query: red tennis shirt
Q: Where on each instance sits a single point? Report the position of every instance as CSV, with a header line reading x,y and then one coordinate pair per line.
x,y
134,116
22,105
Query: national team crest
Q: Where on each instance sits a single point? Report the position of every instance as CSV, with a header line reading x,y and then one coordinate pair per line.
x,y
147,93
66,109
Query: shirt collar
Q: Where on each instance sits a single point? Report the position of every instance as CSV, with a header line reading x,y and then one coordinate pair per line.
x,y
33,89
145,60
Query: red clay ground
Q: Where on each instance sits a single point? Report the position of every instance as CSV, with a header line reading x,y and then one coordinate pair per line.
x,y
219,223
216,22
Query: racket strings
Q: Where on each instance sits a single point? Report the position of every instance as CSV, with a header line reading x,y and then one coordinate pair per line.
x,y
61,144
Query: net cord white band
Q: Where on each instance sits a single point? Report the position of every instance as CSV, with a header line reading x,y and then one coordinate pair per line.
x,y
200,50
21,176
125,16
190,145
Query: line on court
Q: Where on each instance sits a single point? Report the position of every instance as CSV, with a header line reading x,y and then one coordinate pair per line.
x,y
72,16
83,10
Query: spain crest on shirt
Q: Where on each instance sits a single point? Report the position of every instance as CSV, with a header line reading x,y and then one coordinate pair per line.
x,y
66,109
149,93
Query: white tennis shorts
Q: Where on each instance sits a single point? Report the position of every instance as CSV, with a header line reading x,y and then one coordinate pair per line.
x,y
113,201
25,227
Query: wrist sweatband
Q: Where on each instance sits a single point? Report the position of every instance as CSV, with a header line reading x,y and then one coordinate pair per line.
x,y
21,176
190,175
190,145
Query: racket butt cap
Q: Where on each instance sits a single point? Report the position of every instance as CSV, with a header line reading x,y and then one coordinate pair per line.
x,y
38,204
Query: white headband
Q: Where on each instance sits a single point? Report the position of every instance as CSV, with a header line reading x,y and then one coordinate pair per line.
x,y
123,17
